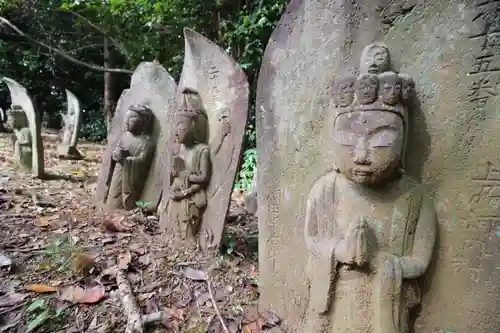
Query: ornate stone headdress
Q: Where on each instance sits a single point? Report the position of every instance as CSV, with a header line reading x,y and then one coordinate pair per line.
x,y
366,92
192,108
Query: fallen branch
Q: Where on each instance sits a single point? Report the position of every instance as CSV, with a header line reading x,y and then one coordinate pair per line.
x,y
217,312
61,53
135,321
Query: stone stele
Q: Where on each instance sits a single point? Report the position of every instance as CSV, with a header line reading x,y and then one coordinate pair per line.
x,y
72,121
25,122
448,49
214,86
151,88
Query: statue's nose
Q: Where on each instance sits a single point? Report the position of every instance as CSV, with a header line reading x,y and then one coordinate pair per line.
x,y
361,153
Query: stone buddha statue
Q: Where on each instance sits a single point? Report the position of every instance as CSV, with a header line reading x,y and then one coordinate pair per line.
x,y
191,169
22,139
131,159
370,229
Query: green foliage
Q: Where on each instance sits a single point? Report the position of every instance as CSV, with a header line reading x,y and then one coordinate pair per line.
x,y
42,313
59,256
245,176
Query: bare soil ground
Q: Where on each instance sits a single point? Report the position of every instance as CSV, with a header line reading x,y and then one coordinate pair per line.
x,y
59,257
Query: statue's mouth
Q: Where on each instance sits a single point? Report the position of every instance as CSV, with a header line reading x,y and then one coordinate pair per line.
x,y
363,173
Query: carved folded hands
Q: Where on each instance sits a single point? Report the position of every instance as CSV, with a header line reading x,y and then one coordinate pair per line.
x,y
353,248
119,155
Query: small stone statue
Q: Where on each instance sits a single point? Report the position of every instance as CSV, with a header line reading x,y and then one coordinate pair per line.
x,y
190,174
21,138
370,229
131,159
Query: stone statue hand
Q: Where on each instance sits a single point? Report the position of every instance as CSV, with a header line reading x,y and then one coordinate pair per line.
x,y
362,245
177,195
118,155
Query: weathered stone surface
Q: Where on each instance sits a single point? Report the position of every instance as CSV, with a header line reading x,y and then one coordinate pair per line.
x,y
223,91
445,47
72,121
152,86
21,102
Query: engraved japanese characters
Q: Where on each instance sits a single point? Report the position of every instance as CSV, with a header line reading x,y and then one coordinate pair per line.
x,y
133,162
72,122
369,228
23,119
202,163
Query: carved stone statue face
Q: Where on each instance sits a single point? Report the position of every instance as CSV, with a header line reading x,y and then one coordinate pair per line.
x,y
184,131
344,91
408,87
368,145
375,59
390,87
366,87
135,123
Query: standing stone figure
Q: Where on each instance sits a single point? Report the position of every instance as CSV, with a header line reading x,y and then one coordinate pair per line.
x,y
211,117
21,138
71,126
131,159
151,88
28,128
192,166
370,229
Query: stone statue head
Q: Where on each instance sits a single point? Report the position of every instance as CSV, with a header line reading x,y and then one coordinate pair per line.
x,y
186,127
343,90
407,87
369,144
139,119
365,88
16,117
375,59
390,88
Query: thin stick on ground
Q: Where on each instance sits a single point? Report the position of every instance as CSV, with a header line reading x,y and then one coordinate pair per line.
x,y
217,312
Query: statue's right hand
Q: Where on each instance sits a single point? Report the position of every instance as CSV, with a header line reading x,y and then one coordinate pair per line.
x,y
345,252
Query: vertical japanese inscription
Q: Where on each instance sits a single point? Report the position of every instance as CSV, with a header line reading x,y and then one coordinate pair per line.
x,y
485,70
213,73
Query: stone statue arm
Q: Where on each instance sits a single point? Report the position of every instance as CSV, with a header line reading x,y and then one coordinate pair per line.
x,y
202,177
318,245
416,264
216,143
145,155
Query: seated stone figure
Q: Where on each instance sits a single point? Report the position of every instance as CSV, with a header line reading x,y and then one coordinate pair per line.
x,y
370,229
190,177
22,140
131,159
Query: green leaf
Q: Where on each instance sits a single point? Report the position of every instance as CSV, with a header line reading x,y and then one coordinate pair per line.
x,y
39,320
38,304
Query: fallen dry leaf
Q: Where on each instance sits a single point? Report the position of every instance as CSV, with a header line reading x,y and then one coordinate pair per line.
x,y
40,288
11,299
195,274
75,294
124,260
253,327
114,222
83,263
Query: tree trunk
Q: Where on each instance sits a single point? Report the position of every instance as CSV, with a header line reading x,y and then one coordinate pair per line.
x,y
109,100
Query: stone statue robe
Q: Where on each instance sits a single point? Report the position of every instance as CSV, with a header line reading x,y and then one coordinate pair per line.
x,y
187,213
23,149
128,177
402,227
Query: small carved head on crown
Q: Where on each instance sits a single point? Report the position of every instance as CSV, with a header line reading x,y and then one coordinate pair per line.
x,y
375,59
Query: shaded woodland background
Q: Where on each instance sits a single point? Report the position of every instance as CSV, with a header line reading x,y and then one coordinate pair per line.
x,y
92,47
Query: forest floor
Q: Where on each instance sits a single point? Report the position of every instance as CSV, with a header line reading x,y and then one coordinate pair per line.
x,y
60,256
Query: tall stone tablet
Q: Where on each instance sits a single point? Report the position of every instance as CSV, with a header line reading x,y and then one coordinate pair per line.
x,y
449,52
72,121
25,122
213,109
132,165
